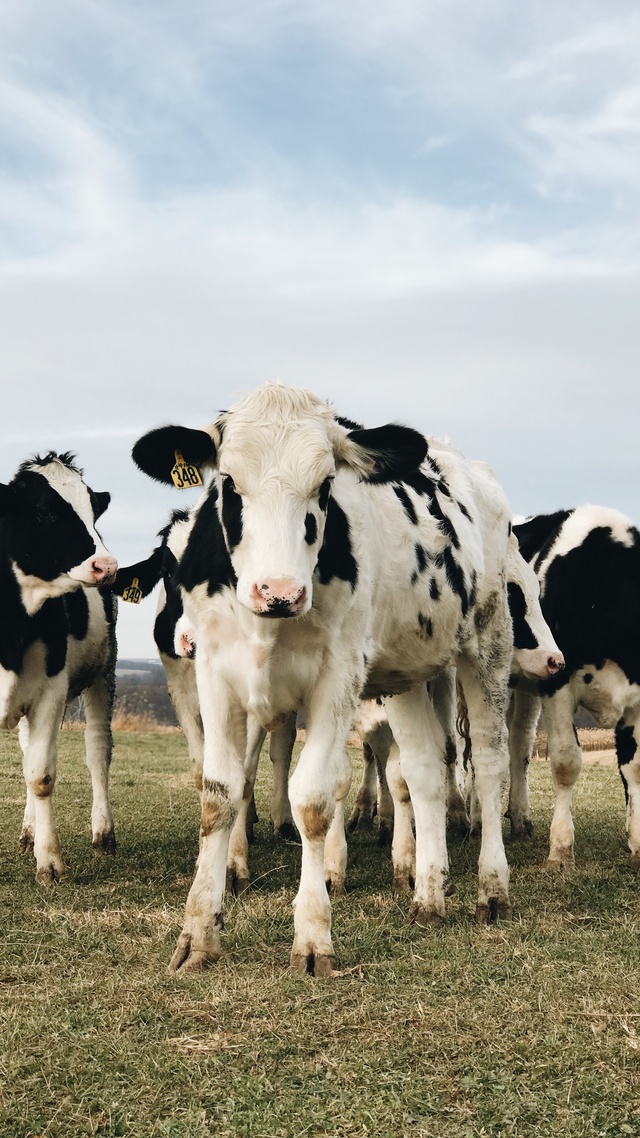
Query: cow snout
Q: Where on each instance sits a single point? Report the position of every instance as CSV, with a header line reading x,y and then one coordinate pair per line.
x,y
186,645
555,663
278,597
103,570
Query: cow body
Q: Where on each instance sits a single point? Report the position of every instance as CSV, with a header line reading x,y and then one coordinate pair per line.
x,y
588,563
326,563
57,640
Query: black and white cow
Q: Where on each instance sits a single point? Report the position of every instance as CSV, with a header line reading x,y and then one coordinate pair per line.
x,y
324,563
175,641
587,561
535,656
57,639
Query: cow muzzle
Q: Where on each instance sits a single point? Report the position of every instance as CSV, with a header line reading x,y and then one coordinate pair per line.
x,y
278,597
96,571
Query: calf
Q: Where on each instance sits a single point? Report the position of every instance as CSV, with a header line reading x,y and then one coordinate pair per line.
x,y
327,562
175,641
57,616
587,561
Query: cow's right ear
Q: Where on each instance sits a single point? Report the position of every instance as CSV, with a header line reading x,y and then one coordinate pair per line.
x,y
155,453
142,576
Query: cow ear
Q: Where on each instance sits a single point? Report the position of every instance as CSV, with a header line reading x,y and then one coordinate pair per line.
x,y
384,454
100,501
155,452
147,574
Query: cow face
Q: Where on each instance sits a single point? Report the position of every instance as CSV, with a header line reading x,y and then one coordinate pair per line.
x,y
274,458
49,536
535,652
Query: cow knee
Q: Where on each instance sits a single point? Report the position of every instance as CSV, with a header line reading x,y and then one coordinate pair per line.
x,y
42,786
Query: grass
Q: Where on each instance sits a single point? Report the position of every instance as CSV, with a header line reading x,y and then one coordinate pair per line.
x,y
528,1028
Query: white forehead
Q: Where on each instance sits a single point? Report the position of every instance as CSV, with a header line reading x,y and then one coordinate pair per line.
x,y
278,430
69,485
178,536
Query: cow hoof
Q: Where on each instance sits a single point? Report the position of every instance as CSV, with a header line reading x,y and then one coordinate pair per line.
x,y
288,833
493,911
635,862
187,958
385,834
403,881
449,887
236,883
459,825
563,863
361,819
26,841
250,834
335,886
105,842
48,874
425,918
321,965
521,831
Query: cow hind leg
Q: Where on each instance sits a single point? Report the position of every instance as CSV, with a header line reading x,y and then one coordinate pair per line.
x,y
565,757
98,702
403,843
365,806
281,751
522,720
628,752
28,831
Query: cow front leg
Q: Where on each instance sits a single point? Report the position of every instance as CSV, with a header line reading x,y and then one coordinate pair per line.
x,y
39,765
565,756
335,850
522,721
238,855
281,752
486,694
313,790
366,802
28,831
98,704
445,702
628,752
225,735
421,743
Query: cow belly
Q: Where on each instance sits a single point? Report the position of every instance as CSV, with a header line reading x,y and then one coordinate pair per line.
x,y
18,692
607,694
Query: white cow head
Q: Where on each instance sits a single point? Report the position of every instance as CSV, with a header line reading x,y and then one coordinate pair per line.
x,y
274,457
535,652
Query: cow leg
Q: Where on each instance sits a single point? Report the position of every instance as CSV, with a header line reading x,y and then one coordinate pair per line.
x,y
181,682
281,752
237,880
313,790
445,702
98,742
366,802
403,845
628,751
486,694
223,780
421,743
28,831
39,765
335,849
522,721
565,756
385,799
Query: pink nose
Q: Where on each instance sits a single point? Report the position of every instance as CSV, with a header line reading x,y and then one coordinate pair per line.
x,y
187,645
279,597
104,570
555,663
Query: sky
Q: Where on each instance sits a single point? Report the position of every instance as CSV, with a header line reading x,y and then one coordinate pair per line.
x,y
426,211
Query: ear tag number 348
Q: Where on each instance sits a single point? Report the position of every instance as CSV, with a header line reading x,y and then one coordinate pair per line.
x,y
183,475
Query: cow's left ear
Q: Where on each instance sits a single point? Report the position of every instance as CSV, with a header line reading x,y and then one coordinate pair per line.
x,y
6,498
155,453
100,501
383,454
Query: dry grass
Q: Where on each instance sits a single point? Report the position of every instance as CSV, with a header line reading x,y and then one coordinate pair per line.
x,y
526,1029
590,739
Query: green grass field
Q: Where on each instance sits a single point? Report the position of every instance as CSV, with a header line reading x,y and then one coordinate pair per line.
x,y
528,1028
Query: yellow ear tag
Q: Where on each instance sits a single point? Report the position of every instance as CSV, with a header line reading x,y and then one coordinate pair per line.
x,y
183,475
133,592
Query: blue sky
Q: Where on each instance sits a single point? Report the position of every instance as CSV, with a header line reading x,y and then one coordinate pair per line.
x,y
424,211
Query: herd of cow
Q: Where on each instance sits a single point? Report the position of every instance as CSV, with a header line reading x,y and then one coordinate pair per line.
x,y
355,576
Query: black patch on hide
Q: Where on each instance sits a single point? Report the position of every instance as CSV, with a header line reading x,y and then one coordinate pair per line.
x,y
522,634
310,529
407,504
231,513
336,555
206,558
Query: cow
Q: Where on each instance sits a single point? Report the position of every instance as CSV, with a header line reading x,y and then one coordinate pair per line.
x,y
57,639
587,561
176,644
325,563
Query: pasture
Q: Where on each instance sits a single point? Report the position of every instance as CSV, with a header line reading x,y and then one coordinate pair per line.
x,y
528,1028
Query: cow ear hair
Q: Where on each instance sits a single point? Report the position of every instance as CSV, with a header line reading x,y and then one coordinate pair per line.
x,y
383,454
155,452
7,497
101,499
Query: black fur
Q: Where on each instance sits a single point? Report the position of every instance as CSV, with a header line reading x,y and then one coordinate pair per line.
x,y
231,513
206,558
395,451
310,529
407,504
336,555
154,453
522,635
